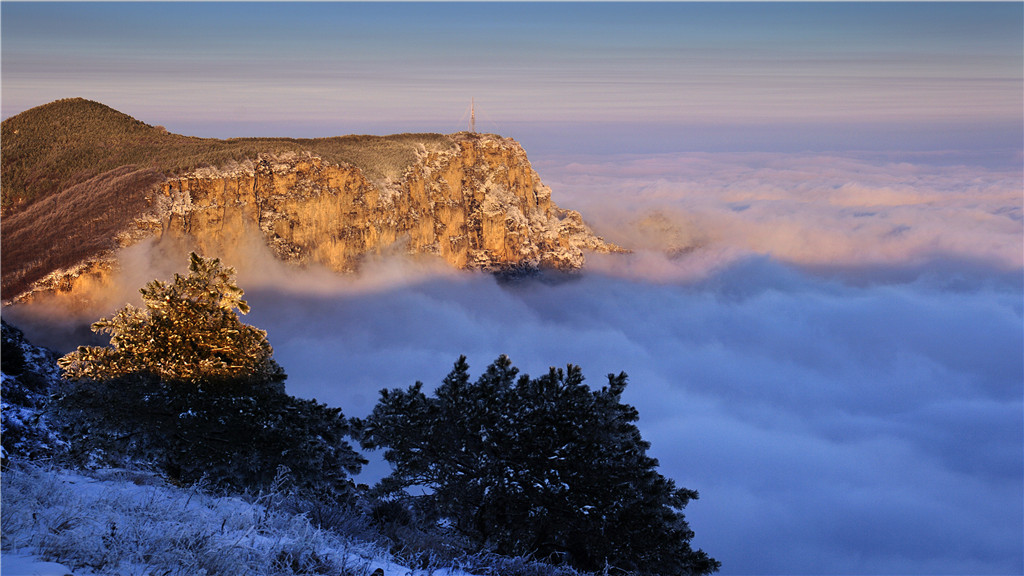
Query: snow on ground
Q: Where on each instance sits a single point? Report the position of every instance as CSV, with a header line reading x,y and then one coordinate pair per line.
x,y
24,565
120,523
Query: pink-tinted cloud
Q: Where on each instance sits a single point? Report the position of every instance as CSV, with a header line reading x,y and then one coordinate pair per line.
x,y
808,210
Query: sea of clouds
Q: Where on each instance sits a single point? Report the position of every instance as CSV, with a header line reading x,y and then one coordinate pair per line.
x,y
827,348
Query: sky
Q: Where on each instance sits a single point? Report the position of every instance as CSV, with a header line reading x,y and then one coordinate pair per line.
x,y
823,314
660,76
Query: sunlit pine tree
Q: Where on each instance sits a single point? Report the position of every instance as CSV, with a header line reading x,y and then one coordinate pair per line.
x,y
189,330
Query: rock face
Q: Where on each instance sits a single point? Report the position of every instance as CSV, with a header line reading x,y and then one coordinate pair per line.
x,y
474,201
479,205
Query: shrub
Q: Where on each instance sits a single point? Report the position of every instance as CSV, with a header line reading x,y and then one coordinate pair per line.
x,y
233,434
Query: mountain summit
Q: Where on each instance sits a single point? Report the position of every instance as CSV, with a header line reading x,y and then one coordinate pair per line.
x,y
82,180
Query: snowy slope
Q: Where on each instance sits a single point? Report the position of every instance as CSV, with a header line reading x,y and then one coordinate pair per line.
x,y
117,522
28,374
24,565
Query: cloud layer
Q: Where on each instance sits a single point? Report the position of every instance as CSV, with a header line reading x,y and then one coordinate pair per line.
x,y
823,211
829,428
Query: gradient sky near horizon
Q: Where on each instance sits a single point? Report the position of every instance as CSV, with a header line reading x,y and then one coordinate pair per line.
x,y
558,76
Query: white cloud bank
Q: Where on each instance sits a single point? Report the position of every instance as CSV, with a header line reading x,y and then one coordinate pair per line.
x,y
809,210
829,428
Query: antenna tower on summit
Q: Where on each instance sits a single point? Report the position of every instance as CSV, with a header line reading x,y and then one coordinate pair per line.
x,y
472,116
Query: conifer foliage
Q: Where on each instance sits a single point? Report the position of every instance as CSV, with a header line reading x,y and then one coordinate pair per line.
x,y
188,387
189,330
542,466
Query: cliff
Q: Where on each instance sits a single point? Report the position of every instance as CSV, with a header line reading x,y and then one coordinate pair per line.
x,y
471,199
478,205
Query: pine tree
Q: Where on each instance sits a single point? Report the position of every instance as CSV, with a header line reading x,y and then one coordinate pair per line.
x,y
188,330
541,466
189,388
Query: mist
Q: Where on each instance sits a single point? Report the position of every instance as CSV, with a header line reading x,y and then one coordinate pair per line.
x,y
827,348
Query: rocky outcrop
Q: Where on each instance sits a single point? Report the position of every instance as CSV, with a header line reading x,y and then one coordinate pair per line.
x,y
478,205
474,201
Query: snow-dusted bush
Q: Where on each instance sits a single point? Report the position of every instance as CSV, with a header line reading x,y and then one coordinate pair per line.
x,y
29,375
117,522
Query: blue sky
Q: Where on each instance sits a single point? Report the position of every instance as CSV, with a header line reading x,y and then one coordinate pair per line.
x,y
661,75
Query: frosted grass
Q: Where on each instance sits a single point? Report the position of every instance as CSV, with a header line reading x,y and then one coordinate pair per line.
x,y
130,523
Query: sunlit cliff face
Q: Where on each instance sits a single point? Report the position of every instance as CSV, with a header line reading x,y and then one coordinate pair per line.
x,y
478,205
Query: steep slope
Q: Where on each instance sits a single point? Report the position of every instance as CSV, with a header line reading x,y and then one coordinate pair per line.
x,y
82,180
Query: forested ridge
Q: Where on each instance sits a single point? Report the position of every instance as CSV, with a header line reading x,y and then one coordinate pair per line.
x,y
50,148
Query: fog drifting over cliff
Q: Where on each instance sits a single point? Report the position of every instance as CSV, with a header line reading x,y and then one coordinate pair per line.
x,y
827,348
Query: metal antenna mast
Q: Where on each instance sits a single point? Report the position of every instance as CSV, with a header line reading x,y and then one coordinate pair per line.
x,y
472,116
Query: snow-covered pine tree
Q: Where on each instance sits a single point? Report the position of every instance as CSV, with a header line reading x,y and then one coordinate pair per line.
x,y
544,467
188,330
187,387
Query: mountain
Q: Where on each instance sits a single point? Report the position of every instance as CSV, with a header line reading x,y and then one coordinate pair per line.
x,y
81,180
